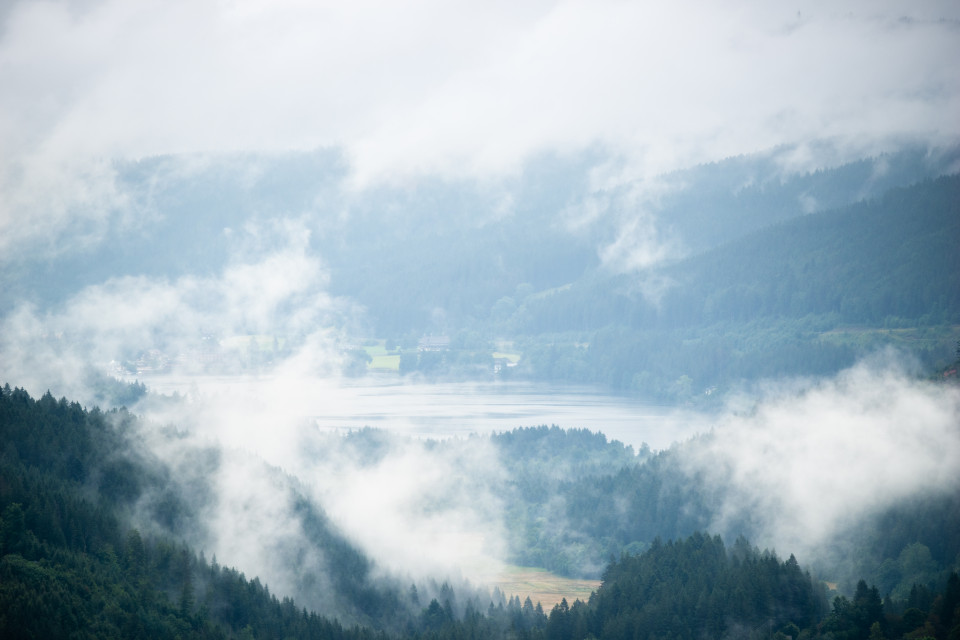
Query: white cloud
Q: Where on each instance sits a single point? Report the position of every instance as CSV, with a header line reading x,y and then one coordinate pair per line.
x,y
805,464
465,88
419,510
276,291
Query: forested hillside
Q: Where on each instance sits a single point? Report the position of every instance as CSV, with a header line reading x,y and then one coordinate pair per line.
x,y
383,247
697,588
887,262
82,501
573,508
805,297
74,564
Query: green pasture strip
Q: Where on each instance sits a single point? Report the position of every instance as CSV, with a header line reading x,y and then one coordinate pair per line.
x,y
374,350
384,362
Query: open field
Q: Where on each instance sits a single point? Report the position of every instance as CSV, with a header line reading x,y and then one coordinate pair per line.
x,y
378,349
380,358
385,362
542,586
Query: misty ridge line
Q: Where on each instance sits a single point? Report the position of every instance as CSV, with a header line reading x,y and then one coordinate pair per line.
x,y
179,314
771,60
628,218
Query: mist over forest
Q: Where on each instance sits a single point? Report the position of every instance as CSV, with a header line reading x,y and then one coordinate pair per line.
x,y
411,320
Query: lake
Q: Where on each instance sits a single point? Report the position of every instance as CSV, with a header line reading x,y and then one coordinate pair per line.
x,y
449,409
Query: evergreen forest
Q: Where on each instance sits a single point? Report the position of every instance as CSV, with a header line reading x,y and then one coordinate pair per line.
x,y
80,559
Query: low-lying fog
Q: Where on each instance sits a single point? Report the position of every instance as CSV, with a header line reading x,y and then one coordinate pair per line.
x,y
805,458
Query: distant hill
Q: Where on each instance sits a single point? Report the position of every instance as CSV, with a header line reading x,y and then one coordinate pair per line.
x,y
764,304
892,260
455,246
889,260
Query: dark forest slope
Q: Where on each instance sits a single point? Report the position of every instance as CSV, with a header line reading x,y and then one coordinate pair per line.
x,y
70,484
892,259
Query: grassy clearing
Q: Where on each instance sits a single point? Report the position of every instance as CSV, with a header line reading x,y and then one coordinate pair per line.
x,y
542,586
385,362
380,358
378,349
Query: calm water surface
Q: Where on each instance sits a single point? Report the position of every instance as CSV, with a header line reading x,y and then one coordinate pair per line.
x,y
454,409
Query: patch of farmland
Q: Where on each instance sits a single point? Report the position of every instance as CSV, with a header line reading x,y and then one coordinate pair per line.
x,y
542,586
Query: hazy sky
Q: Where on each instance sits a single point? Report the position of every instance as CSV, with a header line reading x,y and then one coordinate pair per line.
x,y
472,87
459,89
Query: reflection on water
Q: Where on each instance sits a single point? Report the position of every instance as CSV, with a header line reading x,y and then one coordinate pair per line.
x,y
450,409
